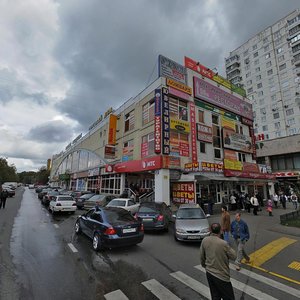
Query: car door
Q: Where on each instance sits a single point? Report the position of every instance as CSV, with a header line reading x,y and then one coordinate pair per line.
x,y
132,206
52,203
85,220
95,223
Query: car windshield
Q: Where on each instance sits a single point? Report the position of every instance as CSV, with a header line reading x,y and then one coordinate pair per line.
x,y
65,199
86,196
117,202
148,209
113,216
190,213
97,198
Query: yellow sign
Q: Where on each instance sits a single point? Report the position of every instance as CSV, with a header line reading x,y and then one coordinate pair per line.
x,y
228,123
179,86
223,81
233,165
179,125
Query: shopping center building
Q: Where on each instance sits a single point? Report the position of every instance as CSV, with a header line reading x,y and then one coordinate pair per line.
x,y
188,134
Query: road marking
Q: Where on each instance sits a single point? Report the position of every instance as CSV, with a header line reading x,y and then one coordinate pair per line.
x,y
295,265
72,247
265,253
271,282
159,290
245,288
55,225
192,283
116,295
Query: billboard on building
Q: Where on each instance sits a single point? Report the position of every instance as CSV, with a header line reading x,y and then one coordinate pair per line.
x,y
183,192
204,133
112,129
237,141
171,69
179,86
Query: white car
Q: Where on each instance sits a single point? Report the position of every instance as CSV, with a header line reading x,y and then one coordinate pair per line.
x,y
62,203
125,203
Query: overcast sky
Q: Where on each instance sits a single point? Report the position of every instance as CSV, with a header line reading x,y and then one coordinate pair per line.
x,y
65,62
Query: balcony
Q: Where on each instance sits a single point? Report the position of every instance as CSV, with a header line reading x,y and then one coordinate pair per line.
x,y
231,60
233,73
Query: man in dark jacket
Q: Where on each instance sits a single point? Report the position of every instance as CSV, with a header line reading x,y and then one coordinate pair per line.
x,y
214,257
3,197
240,233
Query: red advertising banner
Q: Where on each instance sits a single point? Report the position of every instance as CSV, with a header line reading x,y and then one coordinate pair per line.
x,y
211,167
197,67
184,149
146,164
233,173
109,151
193,132
250,167
171,162
204,133
183,192
144,149
112,129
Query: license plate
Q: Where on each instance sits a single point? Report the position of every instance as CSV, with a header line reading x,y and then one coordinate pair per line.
x,y
147,219
193,237
128,230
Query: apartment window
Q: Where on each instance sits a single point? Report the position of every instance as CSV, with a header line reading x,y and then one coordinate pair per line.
x,y
278,41
270,72
277,125
278,134
268,55
286,94
249,82
268,64
283,74
263,119
282,67
246,52
279,50
247,67
148,112
255,54
260,93
265,40
242,157
272,88
258,77
276,116
266,48
257,69
147,145
263,110
285,83
247,61
248,74
277,34
254,47
250,90
259,85
280,58
129,121
292,131
256,62
215,119
291,121
178,109
202,147
273,97
265,128
201,116
261,101
289,112
216,136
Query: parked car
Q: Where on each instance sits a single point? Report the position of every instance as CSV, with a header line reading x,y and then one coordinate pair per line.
x,y
49,196
62,203
110,227
43,193
31,186
125,203
81,200
191,224
98,199
10,191
39,188
154,215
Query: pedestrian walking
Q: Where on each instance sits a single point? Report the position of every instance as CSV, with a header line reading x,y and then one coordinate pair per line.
x,y
283,200
255,204
232,202
225,223
270,207
294,201
210,203
275,200
3,197
240,233
214,257
247,203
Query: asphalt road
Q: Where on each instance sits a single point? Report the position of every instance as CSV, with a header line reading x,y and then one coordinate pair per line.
x,y
42,258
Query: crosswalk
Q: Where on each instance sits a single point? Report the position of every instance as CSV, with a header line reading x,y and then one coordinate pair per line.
x,y
250,290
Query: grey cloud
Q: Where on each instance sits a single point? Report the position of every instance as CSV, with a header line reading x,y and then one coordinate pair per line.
x,y
51,132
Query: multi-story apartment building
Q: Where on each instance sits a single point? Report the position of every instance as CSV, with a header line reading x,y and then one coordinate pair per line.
x,y
267,66
188,134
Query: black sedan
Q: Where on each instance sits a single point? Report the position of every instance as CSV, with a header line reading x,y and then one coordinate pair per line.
x,y
110,227
154,215
81,200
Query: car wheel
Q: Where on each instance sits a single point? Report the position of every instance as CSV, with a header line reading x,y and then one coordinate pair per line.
x,y
77,228
97,244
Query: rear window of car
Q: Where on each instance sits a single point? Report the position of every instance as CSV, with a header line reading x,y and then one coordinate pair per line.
x,y
117,202
148,209
86,196
113,216
65,199
190,213
97,198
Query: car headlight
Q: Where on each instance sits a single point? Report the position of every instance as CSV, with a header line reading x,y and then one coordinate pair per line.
x,y
205,230
178,230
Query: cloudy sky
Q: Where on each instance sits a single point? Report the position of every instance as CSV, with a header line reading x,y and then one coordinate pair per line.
x,y
65,62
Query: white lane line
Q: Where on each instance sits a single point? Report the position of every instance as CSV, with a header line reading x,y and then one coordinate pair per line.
x,y
192,283
55,225
271,282
159,290
253,292
116,295
72,247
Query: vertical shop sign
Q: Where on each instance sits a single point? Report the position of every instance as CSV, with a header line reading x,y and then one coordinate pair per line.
x,y
193,132
251,130
157,123
166,121
112,130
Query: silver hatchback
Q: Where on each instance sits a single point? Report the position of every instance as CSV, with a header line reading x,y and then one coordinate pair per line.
x,y
191,224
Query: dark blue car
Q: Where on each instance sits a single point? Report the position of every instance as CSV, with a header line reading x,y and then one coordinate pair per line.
x,y
110,227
